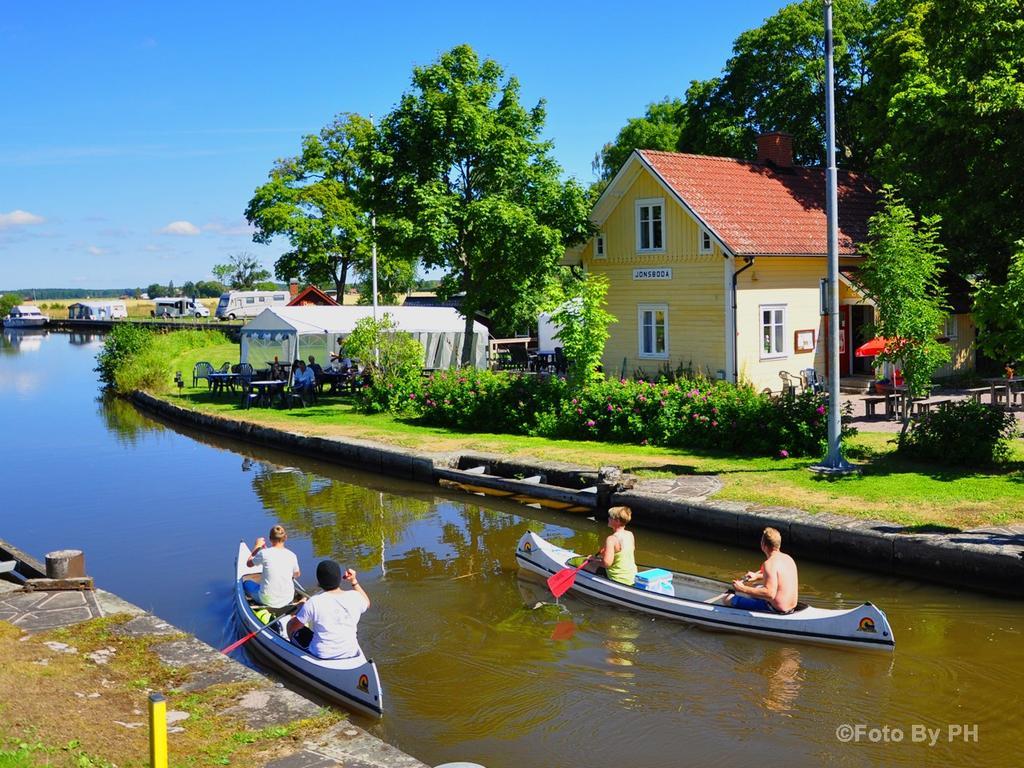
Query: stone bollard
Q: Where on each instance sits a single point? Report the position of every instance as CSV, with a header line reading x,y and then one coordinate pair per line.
x,y
65,564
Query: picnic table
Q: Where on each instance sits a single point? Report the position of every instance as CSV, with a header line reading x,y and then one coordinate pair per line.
x,y
219,381
263,391
1002,388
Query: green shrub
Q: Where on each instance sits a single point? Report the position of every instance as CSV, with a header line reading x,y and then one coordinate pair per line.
x,y
964,433
120,346
393,361
134,357
689,413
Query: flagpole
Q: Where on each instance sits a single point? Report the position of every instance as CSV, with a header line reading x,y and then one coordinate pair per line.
x,y
373,256
834,462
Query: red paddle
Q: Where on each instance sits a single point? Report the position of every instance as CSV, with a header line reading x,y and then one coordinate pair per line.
x,y
562,582
243,641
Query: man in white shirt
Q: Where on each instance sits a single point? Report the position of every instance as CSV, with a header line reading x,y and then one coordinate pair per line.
x,y
326,623
280,567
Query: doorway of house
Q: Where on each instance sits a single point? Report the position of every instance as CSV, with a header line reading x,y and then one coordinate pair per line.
x,y
861,316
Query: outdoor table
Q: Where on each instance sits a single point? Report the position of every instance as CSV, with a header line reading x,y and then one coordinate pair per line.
x,y
1002,385
337,379
220,381
266,389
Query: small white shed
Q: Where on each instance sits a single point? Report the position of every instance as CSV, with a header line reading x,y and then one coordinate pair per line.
x,y
289,333
97,310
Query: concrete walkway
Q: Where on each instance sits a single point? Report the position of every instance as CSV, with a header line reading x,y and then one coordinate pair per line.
x,y
264,704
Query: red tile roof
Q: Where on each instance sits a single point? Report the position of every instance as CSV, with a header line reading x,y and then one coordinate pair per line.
x,y
758,209
312,296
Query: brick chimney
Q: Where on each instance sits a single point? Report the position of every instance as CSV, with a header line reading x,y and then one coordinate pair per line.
x,y
775,148
293,287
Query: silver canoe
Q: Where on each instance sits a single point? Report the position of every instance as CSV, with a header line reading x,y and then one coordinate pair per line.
x,y
352,683
861,627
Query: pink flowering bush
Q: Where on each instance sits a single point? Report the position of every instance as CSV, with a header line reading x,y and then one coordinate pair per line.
x,y
691,413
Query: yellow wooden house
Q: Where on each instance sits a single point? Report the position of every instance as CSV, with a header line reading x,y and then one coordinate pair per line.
x,y
715,266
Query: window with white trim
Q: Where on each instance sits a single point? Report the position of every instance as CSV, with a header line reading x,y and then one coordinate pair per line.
x,y
650,224
652,320
705,241
949,329
773,330
599,252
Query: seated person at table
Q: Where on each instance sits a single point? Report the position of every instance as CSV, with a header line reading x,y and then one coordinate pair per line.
x,y
326,623
280,566
314,366
779,591
302,379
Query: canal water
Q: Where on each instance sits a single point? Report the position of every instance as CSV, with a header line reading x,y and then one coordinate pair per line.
x,y
476,660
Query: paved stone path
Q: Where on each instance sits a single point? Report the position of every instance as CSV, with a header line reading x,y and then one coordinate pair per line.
x,y
265,703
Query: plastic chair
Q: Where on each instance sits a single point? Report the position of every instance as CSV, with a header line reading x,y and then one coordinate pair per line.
x,y
201,370
810,380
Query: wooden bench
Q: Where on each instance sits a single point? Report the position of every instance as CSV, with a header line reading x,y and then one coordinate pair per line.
x,y
975,393
925,406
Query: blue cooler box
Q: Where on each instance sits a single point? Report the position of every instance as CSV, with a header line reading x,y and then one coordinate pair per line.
x,y
655,580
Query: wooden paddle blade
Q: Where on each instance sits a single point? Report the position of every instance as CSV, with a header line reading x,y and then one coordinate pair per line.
x,y
562,582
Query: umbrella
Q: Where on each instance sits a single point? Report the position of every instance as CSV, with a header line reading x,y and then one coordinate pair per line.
x,y
871,348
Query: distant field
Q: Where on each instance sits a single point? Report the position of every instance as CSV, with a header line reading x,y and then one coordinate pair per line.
x,y
138,308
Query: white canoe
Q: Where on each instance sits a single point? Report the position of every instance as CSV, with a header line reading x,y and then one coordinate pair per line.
x,y
352,683
861,627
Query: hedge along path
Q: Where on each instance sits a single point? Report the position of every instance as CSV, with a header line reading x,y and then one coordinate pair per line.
x,y
890,487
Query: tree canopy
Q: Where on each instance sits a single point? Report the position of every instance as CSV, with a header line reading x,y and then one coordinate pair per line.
x,y
243,272
321,201
477,189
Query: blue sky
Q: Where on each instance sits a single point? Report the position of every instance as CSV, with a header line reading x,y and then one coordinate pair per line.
x,y
133,134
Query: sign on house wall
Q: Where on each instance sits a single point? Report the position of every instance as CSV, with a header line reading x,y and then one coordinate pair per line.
x,y
653,273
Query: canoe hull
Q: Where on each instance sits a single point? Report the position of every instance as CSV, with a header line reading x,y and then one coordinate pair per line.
x,y
351,683
864,626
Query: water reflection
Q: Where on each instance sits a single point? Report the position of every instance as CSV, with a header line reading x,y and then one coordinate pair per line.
x,y
85,339
124,420
780,668
17,340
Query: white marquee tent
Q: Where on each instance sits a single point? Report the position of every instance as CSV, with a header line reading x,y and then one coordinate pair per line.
x,y
288,333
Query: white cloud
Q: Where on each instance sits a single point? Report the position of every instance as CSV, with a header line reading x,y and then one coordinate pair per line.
x,y
186,228
19,218
95,250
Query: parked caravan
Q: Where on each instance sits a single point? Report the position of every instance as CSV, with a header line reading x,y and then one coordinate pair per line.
x,y
235,304
98,310
181,306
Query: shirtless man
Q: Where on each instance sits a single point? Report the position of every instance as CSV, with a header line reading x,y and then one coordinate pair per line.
x,y
779,591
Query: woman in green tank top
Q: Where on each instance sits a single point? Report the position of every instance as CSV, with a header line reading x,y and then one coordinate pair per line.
x,y
618,552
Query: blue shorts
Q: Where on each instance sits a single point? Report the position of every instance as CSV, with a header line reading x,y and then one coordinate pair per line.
x,y
752,604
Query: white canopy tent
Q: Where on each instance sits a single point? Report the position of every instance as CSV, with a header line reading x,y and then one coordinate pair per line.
x,y
289,333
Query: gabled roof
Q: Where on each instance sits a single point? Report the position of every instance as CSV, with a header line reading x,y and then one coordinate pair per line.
x,y
338,319
756,209
312,295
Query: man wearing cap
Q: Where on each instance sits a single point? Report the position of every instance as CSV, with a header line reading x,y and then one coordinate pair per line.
x,y
326,623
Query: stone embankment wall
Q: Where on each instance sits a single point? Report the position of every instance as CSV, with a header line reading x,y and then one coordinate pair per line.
x,y
990,559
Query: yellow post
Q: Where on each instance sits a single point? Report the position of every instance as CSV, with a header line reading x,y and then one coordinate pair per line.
x,y
157,731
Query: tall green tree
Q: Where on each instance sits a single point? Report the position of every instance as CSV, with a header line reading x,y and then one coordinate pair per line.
x,y
947,94
775,81
321,200
902,268
243,272
999,313
659,128
478,190
583,322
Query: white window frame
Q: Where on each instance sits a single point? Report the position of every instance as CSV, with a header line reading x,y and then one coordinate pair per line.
x,y
949,327
650,202
600,246
775,354
705,237
641,309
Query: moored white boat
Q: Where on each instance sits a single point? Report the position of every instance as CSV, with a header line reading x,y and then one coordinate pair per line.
x,y
352,683
25,316
694,601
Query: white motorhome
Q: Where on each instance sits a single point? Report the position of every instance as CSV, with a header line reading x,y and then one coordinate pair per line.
x,y
235,304
181,306
98,310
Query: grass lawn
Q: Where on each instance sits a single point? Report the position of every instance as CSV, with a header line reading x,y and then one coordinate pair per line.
x,y
888,488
